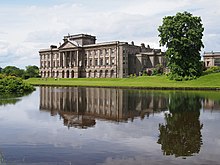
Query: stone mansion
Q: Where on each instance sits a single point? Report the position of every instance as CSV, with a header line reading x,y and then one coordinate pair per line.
x,y
80,56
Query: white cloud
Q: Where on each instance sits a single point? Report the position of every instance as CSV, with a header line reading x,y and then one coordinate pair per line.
x,y
26,29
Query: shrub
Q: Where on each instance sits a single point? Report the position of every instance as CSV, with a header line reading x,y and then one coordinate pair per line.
x,y
213,69
14,85
158,70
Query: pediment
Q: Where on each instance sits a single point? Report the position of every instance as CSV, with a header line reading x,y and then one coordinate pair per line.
x,y
67,45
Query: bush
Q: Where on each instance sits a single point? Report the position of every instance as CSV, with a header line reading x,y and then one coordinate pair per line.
x,y
144,73
180,78
158,70
213,69
14,85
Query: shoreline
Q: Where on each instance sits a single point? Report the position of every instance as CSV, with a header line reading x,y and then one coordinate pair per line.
x,y
138,88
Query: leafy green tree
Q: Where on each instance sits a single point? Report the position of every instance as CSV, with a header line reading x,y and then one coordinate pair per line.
x,y
13,71
31,71
182,35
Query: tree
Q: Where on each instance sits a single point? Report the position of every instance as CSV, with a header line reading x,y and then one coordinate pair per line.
x,y
182,35
12,71
31,71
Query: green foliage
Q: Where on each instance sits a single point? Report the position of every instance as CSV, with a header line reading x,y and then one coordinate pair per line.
x,y
14,85
158,70
182,35
213,69
12,71
31,71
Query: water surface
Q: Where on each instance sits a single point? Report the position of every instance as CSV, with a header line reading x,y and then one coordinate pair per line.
x,y
70,125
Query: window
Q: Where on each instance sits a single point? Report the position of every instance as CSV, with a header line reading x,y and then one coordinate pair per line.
x,y
217,62
85,62
101,61
90,62
207,63
113,61
96,62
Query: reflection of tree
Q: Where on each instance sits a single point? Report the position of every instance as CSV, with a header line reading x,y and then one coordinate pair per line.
x,y
4,100
181,135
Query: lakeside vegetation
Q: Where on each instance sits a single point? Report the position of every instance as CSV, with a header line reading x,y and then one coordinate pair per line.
x,y
11,85
209,81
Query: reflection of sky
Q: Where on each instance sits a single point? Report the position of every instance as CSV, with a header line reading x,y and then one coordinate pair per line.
x,y
30,135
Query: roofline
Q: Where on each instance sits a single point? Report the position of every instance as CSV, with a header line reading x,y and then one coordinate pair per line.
x,y
75,36
48,50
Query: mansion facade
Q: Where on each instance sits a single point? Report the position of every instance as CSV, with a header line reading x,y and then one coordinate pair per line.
x,y
211,59
81,57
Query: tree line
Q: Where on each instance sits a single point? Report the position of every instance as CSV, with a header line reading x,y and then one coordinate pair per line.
x,y
29,71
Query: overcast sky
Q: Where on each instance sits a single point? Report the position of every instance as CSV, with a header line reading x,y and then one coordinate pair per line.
x,y
30,25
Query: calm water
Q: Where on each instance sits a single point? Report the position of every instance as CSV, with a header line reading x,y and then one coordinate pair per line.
x,y
110,127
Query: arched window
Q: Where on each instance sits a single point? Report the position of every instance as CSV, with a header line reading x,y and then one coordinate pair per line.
x,y
95,74
63,73
67,74
72,74
101,74
89,75
112,73
53,74
106,73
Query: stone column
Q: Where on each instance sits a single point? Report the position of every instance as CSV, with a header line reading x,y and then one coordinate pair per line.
x,y
77,58
98,57
109,54
152,60
71,58
56,61
104,62
60,60
87,53
93,58
41,64
63,60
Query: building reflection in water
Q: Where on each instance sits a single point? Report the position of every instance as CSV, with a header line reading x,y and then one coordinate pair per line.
x,y
179,135
80,107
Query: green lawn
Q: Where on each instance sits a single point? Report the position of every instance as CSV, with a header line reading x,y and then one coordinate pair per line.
x,y
211,81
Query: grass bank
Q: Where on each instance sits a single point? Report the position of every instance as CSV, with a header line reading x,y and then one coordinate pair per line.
x,y
207,82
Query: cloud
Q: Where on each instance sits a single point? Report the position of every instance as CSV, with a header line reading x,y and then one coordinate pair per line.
x,y
35,26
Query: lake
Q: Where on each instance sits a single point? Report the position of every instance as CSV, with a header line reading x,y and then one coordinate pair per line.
x,y
104,126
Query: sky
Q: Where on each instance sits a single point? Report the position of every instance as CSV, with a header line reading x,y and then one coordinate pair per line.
x,y
30,25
